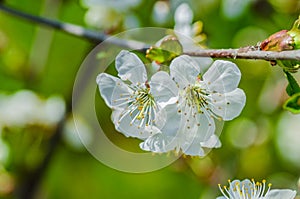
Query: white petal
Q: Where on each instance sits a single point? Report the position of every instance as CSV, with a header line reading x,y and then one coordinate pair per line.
x,y
190,45
212,142
203,62
184,70
228,105
195,149
281,193
159,143
130,67
168,120
222,76
183,14
207,126
162,87
122,124
221,197
114,91
197,131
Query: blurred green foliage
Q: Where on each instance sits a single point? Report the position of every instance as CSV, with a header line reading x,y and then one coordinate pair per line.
x,y
46,61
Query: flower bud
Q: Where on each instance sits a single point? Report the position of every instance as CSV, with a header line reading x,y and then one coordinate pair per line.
x,y
279,41
295,33
283,40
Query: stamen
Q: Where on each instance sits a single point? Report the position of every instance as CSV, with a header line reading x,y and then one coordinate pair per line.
x,y
223,191
240,190
142,107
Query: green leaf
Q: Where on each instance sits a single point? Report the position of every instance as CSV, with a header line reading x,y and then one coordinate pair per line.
x,y
159,55
291,66
172,45
293,86
166,52
293,104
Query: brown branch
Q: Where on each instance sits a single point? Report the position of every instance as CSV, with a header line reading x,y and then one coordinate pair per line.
x,y
247,54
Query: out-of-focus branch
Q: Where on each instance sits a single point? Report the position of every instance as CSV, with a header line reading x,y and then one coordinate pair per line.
x,y
75,30
29,186
242,53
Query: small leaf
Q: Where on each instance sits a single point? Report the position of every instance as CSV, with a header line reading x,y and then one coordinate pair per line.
x,y
293,104
172,45
159,55
291,66
293,86
289,90
168,50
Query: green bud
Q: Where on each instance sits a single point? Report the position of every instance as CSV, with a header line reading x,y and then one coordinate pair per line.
x,y
295,34
285,40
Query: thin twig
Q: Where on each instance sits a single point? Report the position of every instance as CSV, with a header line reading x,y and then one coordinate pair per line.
x,y
98,37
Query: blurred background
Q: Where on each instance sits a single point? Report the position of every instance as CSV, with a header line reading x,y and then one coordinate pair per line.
x,y
40,153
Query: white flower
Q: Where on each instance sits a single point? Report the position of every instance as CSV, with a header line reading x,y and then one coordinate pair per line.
x,y
183,20
103,17
254,190
110,14
121,5
139,107
188,33
26,107
201,100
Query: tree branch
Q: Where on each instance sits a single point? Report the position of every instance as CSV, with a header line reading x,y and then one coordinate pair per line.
x,y
242,53
74,30
249,54
28,187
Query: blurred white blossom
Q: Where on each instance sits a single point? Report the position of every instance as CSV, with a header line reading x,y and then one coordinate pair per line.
x,y
75,133
190,34
287,139
25,108
235,8
102,17
161,11
183,20
110,14
120,5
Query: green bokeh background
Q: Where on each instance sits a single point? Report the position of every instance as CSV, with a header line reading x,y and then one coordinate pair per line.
x,y
46,61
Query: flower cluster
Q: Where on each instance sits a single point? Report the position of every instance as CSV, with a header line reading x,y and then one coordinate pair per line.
x,y
176,110
254,190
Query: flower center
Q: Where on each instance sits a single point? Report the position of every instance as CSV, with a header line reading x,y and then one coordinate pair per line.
x,y
142,107
245,190
198,100
196,97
